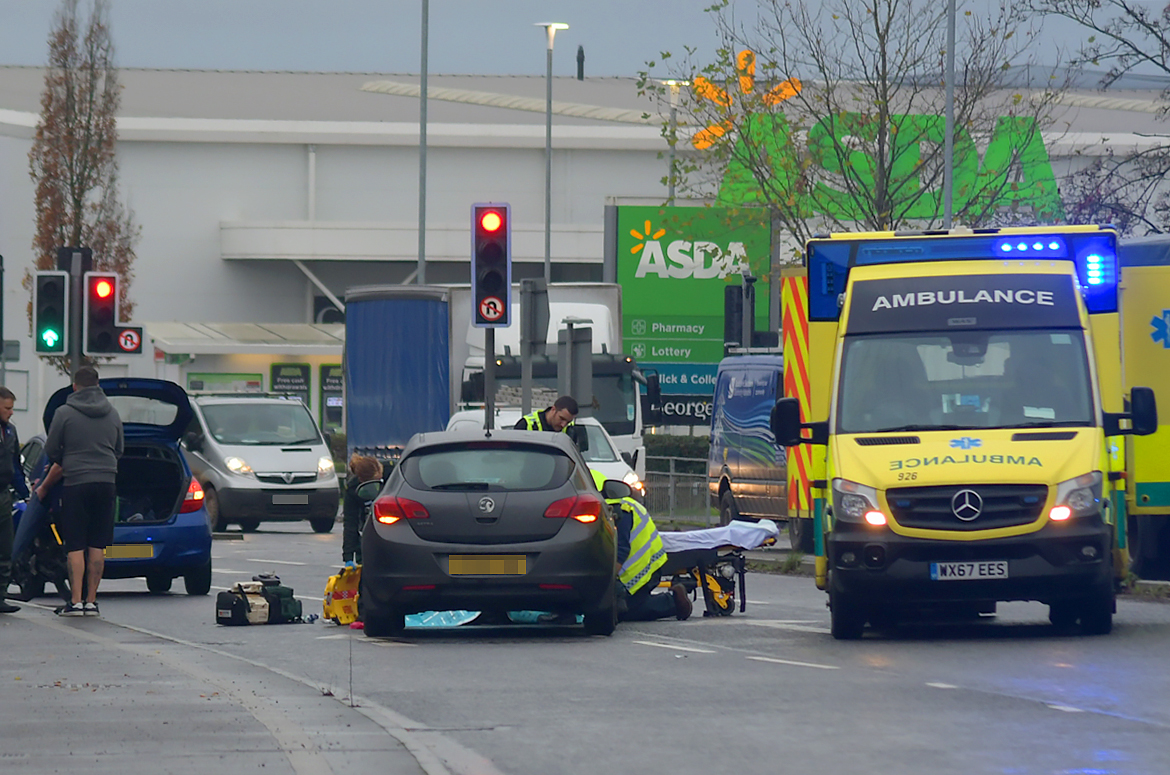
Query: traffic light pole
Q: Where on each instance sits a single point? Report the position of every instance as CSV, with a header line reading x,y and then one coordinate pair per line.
x,y
76,289
489,378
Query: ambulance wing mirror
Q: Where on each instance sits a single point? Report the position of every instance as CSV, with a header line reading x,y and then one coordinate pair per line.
x,y
1142,415
789,430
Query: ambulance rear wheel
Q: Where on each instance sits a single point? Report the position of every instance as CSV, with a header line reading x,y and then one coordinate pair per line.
x,y
847,617
800,535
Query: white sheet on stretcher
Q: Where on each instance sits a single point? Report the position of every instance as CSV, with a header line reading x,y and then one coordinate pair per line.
x,y
745,535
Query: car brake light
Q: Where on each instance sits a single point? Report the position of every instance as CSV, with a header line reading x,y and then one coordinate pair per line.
x,y
389,510
583,508
193,500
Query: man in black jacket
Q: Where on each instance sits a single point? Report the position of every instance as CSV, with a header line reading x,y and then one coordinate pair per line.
x,y
84,443
11,478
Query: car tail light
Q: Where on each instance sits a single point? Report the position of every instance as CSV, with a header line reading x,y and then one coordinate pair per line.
x,y
389,510
193,500
583,508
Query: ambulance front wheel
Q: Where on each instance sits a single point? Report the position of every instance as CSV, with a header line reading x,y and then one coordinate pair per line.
x,y
847,617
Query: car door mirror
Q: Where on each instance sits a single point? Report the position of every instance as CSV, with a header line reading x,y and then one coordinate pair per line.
x,y
368,491
614,490
193,441
631,461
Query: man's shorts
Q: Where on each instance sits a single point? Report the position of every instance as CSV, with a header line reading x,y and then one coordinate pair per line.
x,y
87,515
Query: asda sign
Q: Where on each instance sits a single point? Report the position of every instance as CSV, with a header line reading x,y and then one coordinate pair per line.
x,y
1014,170
673,264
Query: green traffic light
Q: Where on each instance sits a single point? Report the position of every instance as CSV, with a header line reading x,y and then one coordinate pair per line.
x,y
50,338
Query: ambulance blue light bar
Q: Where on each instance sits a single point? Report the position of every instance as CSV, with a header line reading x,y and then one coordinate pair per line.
x,y
1092,250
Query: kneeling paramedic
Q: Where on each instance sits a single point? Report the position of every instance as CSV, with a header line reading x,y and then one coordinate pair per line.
x,y
641,555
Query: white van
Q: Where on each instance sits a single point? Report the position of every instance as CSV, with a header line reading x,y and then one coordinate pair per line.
x,y
260,457
602,454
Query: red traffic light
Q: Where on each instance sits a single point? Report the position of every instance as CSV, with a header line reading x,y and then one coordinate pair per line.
x,y
491,221
103,288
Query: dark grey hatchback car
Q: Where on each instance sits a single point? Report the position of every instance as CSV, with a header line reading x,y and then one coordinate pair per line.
x,y
506,522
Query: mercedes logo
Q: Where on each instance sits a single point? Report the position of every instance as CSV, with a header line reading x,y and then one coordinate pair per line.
x,y
967,505
486,505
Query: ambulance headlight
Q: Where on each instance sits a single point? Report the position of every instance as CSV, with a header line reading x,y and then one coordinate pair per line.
x,y
852,501
1078,497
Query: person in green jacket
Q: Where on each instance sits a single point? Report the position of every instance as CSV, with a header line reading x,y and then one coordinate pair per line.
x,y
555,419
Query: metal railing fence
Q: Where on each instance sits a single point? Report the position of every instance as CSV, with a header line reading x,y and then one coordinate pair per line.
x,y
679,491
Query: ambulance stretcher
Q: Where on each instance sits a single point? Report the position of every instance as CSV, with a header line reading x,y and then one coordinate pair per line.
x,y
712,560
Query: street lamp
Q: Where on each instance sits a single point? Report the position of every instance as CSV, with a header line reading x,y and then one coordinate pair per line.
x,y
674,87
551,29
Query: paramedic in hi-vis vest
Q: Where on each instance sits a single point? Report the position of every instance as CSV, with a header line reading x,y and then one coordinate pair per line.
x,y
642,556
555,419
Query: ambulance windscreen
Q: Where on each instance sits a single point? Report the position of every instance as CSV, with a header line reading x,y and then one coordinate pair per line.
x,y
964,380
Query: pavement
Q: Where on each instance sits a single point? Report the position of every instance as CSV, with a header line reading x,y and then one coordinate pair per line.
x,y
86,695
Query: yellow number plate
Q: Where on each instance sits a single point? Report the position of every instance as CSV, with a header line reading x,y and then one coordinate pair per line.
x,y
130,552
488,565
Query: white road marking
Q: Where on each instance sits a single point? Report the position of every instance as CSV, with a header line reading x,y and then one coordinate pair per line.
x,y
1066,708
936,685
276,562
676,648
779,624
795,663
235,572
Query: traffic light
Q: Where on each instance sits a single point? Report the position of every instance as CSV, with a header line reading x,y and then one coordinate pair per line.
x,y
491,265
51,313
101,334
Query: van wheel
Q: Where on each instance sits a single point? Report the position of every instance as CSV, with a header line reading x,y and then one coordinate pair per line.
x,y
211,503
322,524
248,525
158,583
727,509
198,582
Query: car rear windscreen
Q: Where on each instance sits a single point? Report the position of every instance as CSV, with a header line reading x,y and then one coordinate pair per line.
x,y
491,467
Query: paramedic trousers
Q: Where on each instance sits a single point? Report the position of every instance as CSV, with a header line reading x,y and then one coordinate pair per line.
x,y
646,607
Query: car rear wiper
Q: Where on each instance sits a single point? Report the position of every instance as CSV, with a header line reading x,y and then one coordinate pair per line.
x,y
477,486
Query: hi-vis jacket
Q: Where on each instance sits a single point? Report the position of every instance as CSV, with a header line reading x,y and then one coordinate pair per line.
x,y
647,553
535,421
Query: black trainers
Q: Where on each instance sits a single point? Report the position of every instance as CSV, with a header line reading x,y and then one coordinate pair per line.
x,y
682,602
91,609
8,608
70,609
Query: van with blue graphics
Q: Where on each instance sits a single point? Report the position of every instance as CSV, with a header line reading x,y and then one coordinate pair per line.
x,y
746,472
967,414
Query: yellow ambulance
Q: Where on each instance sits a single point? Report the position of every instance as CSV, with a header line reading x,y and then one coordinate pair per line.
x,y
959,415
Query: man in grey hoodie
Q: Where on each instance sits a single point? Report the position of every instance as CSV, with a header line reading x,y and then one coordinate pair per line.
x,y
84,444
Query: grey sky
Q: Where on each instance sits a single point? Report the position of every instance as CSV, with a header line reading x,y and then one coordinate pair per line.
x,y
466,36
482,37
